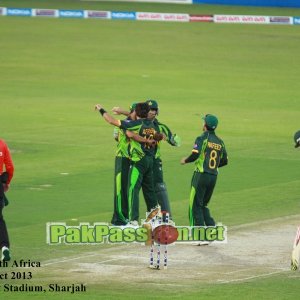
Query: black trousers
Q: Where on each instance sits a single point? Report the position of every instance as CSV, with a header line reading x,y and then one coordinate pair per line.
x,y
202,188
4,240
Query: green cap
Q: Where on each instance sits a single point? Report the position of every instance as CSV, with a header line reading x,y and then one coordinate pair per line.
x,y
132,106
211,121
152,104
297,139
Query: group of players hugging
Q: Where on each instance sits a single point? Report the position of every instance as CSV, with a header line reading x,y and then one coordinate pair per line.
x,y
138,164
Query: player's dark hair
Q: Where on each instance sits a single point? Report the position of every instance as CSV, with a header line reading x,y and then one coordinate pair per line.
x,y
142,110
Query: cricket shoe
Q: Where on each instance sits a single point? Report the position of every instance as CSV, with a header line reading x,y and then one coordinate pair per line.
x,y
154,267
156,211
133,223
171,223
5,254
119,224
201,243
294,264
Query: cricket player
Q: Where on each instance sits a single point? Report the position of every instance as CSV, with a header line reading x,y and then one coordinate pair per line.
x,y
5,179
297,139
296,252
296,247
209,154
142,155
173,140
122,165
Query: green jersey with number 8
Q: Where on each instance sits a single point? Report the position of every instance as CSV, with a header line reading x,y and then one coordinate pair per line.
x,y
211,151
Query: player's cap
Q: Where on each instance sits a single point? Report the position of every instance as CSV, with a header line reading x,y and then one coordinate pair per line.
x,y
211,121
132,107
152,104
297,139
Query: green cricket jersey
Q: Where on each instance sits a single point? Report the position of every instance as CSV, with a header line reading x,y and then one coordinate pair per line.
x,y
211,153
144,128
123,143
162,128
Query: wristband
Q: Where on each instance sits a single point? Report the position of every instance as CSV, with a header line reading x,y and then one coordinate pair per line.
x,y
102,111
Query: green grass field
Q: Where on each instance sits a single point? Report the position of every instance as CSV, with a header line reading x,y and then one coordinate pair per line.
x,y
53,71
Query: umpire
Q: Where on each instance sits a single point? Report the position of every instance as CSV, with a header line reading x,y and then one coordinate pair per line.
x,y
5,178
209,154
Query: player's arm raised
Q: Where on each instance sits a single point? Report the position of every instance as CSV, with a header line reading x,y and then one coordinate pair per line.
x,y
108,118
119,111
111,120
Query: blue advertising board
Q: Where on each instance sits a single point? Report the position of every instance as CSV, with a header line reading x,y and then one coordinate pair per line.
x,y
279,3
70,13
296,20
123,15
23,12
